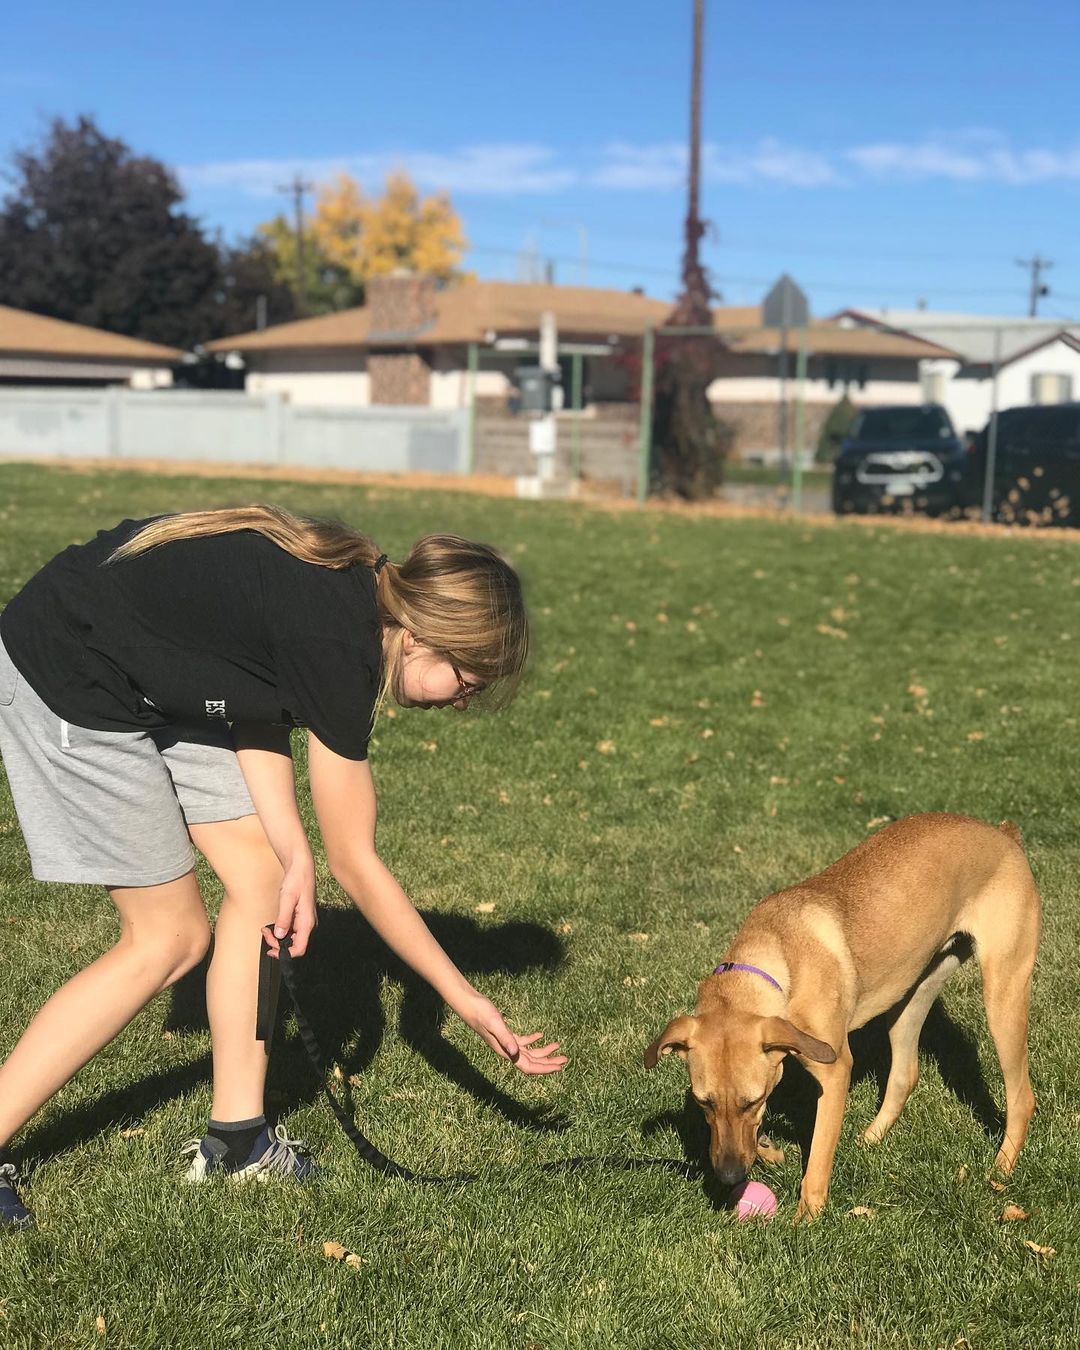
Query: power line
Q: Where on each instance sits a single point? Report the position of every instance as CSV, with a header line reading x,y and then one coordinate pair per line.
x,y
728,278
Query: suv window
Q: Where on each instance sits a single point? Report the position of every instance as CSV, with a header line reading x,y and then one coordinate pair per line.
x,y
1019,426
901,424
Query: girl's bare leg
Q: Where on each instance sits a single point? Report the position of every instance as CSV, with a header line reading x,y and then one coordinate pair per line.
x,y
163,934
240,854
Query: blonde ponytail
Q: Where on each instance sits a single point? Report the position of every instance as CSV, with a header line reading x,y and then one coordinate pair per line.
x,y
326,543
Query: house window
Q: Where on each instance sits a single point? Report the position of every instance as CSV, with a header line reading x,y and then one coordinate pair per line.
x,y
1048,388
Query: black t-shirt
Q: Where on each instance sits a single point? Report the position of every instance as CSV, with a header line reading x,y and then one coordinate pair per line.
x,y
228,628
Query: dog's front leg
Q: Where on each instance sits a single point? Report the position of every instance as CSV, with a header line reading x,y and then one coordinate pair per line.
x,y
833,1079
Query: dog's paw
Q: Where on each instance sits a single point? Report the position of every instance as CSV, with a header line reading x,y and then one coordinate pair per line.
x,y
810,1207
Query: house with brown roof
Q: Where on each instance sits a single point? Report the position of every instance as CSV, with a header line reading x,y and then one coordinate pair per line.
x,y
413,343
35,350
1035,360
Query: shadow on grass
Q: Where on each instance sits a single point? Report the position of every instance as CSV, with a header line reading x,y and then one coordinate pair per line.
x,y
340,982
689,1124
793,1105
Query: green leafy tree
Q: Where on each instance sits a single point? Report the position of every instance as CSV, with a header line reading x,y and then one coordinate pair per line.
x,y
350,237
251,288
93,233
834,429
325,285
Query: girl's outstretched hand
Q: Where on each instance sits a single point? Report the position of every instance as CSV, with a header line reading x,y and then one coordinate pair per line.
x,y
486,1020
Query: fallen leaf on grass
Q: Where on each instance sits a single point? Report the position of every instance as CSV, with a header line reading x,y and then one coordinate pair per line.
x,y
877,820
336,1252
962,1174
998,1186
1013,1214
758,701
1039,1251
976,735
565,928
99,1323
826,630
130,1134
861,1212
606,747
488,907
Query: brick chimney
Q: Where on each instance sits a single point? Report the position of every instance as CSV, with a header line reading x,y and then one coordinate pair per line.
x,y
401,308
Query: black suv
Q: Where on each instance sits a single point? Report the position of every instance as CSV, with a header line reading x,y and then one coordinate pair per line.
x,y
904,458
1036,464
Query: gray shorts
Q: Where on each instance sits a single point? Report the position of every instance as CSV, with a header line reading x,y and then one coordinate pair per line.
x,y
112,808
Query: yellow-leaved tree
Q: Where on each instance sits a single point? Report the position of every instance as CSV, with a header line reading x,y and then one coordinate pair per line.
x,y
350,238
402,229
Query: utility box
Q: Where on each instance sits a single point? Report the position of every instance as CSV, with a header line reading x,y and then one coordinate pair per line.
x,y
535,389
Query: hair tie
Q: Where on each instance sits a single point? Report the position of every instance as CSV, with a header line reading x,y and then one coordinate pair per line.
x,y
380,563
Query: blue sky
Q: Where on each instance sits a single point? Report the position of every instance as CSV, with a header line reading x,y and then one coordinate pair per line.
x,y
880,153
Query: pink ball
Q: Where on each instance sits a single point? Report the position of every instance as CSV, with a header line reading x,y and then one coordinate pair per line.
x,y
753,1200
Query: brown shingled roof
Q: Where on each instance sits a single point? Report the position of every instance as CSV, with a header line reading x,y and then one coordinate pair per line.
x,y
469,312
828,339
24,333
475,310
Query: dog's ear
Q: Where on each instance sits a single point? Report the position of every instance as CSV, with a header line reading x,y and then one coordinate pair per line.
x,y
780,1034
676,1036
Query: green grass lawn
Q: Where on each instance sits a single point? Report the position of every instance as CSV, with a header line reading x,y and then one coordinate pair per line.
x,y
716,709
762,475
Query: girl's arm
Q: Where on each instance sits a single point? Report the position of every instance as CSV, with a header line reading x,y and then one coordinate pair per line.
x,y
265,760
344,797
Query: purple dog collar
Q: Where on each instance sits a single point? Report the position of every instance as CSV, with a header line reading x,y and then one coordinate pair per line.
x,y
725,966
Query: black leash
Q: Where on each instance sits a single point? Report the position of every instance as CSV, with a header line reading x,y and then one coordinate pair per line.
x,y
268,982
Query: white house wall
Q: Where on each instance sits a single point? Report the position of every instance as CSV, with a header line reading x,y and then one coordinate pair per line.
x,y
450,388
968,392
320,378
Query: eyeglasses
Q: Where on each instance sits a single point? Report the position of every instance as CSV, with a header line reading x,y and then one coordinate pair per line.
x,y
464,689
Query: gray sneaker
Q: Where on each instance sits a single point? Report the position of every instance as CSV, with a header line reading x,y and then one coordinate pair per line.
x,y
272,1154
13,1213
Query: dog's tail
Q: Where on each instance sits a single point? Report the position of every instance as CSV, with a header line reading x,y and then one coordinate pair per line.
x,y
1012,831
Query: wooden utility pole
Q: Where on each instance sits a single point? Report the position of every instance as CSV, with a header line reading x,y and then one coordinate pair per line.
x,y
296,190
693,306
1037,265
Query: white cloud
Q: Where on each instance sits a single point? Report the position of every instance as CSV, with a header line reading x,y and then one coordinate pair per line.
x,y
967,157
473,170
975,155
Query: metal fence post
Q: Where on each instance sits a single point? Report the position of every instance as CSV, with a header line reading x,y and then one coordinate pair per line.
x,y
576,364
800,422
474,364
646,412
991,435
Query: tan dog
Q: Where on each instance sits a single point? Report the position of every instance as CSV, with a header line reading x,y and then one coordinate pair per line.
x,y
880,931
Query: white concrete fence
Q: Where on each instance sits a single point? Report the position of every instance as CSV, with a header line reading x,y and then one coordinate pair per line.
x,y
228,427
